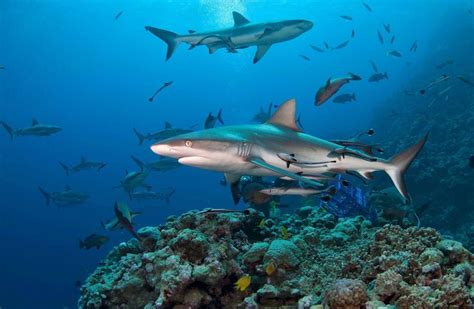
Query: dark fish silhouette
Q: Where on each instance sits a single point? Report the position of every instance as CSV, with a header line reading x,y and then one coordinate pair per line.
x,y
317,48
465,80
343,98
440,79
92,241
331,87
393,39
342,45
118,15
374,67
353,33
394,53
326,45
346,17
367,6
414,46
378,77
167,84
305,57
380,37
387,27
211,120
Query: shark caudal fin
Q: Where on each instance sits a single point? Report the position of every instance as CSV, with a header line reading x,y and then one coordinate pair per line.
x,y
399,164
219,116
141,137
170,38
65,167
9,129
46,195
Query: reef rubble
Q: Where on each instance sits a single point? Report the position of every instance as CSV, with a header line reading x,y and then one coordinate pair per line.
x,y
194,260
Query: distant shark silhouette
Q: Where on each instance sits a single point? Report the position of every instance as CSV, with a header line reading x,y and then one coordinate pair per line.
x,y
244,34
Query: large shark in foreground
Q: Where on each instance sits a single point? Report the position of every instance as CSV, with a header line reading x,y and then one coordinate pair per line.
x,y
244,34
278,148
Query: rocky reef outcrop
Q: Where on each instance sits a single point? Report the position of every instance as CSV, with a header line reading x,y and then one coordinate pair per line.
x,y
194,260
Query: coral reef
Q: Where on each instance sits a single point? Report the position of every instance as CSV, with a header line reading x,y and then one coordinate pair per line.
x,y
193,261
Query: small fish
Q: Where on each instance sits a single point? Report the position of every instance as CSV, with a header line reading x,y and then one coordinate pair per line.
x,y
342,45
261,224
167,84
387,27
93,240
284,233
393,39
343,98
305,57
353,33
243,283
465,80
279,191
331,87
326,45
367,6
414,46
444,64
440,79
118,15
374,67
471,162
378,77
211,120
2,67
191,31
317,49
394,53
270,268
345,17
380,37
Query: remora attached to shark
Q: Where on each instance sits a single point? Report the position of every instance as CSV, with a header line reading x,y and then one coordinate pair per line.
x,y
242,35
279,148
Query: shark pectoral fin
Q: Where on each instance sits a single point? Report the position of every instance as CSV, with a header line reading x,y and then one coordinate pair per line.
x,y
261,50
233,180
213,48
266,32
263,164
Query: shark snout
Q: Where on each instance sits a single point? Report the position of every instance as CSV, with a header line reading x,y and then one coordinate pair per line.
x,y
165,150
305,25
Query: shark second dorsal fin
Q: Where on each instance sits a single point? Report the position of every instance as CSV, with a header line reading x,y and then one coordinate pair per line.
x,y
285,116
34,122
239,20
168,125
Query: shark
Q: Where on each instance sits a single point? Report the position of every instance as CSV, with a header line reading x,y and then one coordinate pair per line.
x,y
167,132
279,148
133,180
36,129
84,164
161,165
242,35
68,197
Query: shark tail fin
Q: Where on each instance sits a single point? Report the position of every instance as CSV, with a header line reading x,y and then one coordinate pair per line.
x,y
352,76
399,165
140,163
9,129
219,116
140,136
46,195
170,38
65,167
101,166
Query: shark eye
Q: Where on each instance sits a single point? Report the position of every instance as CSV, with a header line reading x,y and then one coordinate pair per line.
x,y
188,143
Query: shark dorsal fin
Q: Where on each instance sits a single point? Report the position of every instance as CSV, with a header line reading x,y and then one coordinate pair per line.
x,y
34,122
168,125
239,20
285,116
67,188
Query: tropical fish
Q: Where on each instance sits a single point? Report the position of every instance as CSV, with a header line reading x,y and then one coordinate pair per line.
x,y
68,197
84,164
242,35
36,129
167,132
342,45
167,84
161,165
367,6
394,53
387,27
378,77
124,217
211,120
151,195
118,15
353,33
253,150
414,46
243,283
326,45
270,268
92,241
343,98
262,115
440,79
380,37
284,232
332,87
305,57
345,17
393,39
374,67
317,48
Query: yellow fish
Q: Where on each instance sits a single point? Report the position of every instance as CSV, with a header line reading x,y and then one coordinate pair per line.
x,y
270,269
284,232
261,224
243,283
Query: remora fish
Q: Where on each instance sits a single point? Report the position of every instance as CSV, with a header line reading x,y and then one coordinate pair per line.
x,y
92,241
152,195
160,165
342,45
211,120
305,57
262,115
332,86
242,35
255,150
343,98
167,84
68,197
167,132
124,217
36,129
465,80
320,50
367,6
345,17
292,191
440,79
84,164
378,77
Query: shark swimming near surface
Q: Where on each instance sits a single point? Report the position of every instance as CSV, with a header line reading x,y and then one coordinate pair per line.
x,y
242,35
279,148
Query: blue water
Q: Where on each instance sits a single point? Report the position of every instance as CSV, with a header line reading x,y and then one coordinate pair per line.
x,y
70,63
